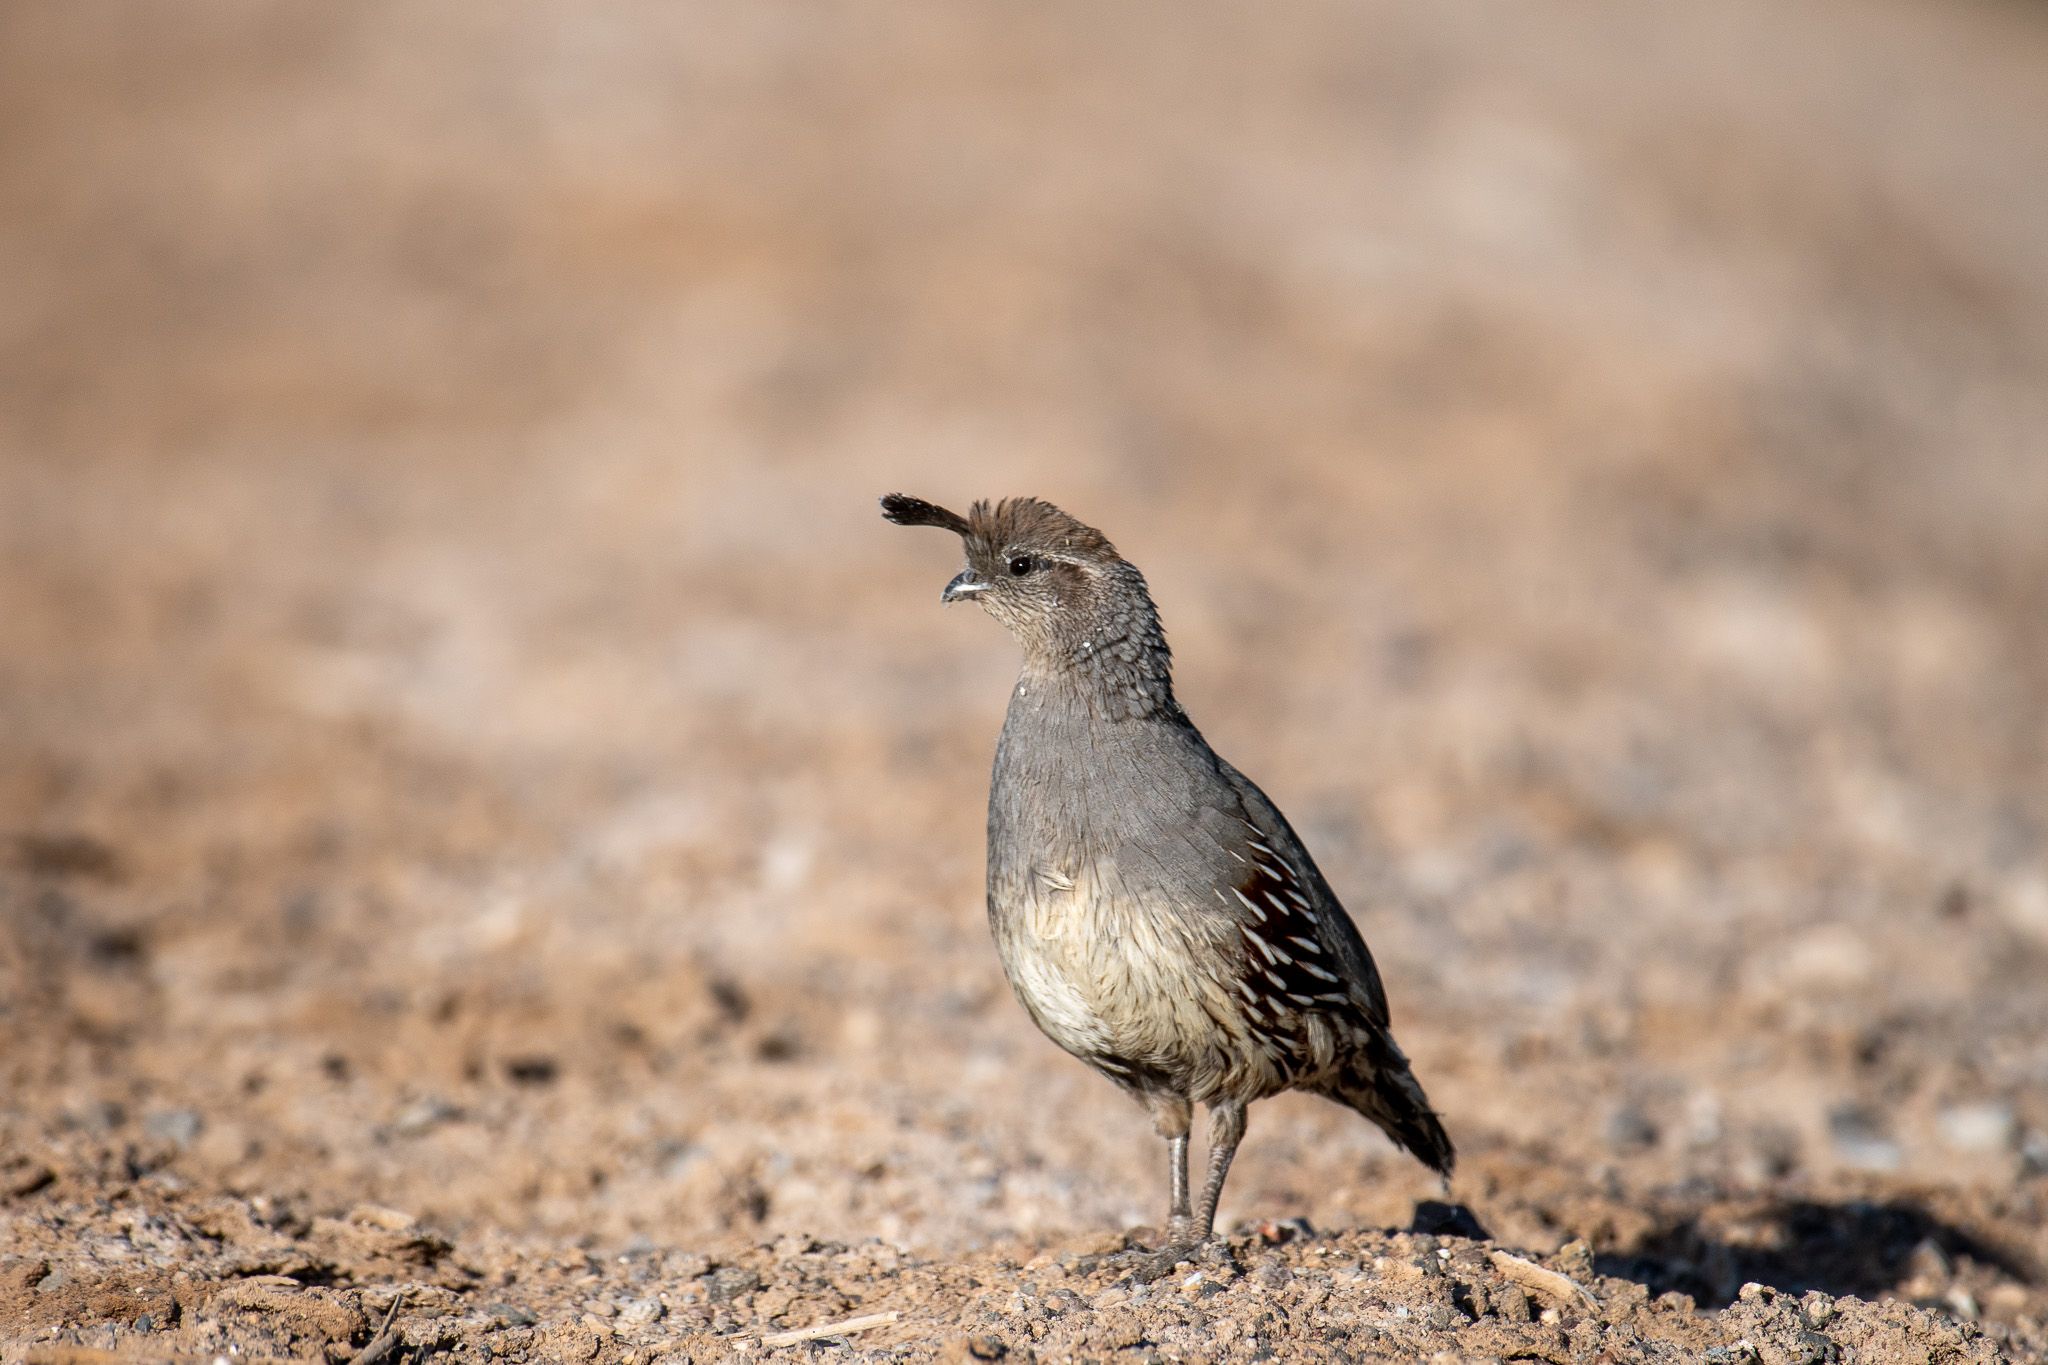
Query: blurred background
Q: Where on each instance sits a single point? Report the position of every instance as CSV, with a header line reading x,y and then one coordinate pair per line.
x,y
469,743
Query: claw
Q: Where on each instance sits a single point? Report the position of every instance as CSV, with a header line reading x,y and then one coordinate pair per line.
x,y
1157,1265
1183,1249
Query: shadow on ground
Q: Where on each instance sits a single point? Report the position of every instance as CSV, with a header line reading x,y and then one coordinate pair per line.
x,y
1861,1248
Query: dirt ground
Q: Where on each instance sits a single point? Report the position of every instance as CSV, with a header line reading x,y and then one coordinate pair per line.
x,y
491,819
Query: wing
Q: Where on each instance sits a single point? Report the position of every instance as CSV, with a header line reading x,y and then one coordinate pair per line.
x,y
1306,947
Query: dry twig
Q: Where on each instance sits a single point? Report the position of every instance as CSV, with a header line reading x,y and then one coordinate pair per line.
x,y
830,1329
1528,1274
382,1343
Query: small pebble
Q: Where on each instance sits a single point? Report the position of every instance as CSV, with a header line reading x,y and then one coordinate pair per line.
x,y
1288,1230
1629,1129
377,1216
1987,1126
1860,1142
2034,1153
179,1126
730,1282
423,1116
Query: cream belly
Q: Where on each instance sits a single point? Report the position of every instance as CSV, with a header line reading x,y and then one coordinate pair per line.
x,y
1063,1002
1124,988
1060,962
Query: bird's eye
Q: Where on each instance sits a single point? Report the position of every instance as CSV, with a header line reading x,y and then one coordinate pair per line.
x,y
1021,565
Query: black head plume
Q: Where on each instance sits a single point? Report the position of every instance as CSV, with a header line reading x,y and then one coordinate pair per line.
x,y
905,510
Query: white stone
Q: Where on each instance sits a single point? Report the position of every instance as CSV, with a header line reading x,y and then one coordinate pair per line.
x,y
1985,1126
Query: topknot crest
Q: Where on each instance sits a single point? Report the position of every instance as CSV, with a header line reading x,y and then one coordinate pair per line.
x,y
1035,524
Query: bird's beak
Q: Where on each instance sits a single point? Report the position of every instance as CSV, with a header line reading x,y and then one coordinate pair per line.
x,y
964,585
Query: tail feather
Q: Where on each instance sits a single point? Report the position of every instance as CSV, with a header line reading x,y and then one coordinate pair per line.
x,y
1380,1085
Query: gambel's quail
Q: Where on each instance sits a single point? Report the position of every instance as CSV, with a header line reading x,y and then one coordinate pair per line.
x,y
1155,913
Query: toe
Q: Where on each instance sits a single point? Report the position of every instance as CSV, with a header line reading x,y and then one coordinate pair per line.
x,y
1161,1263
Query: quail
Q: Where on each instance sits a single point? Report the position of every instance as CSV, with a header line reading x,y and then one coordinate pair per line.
x,y
1155,913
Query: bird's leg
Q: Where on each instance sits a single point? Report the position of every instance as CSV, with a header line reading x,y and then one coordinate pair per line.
x,y
1171,1118
1177,1162
1190,1231
1226,1130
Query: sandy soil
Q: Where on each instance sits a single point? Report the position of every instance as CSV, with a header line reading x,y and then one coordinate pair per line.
x,y
490,819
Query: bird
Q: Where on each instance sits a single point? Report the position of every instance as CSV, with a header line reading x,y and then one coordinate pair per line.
x,y
1155,913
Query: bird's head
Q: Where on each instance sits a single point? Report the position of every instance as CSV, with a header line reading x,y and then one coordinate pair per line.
x,y
1047,577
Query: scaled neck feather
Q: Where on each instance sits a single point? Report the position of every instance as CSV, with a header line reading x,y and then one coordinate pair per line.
x,y
1114,659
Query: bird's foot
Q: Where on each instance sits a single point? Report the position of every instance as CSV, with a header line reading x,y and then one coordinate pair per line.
x,y
1185,1244
1148,1266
